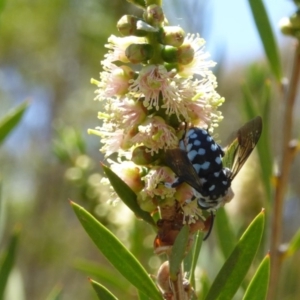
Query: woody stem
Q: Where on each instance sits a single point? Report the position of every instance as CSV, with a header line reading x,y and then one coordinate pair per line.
x,y
281,186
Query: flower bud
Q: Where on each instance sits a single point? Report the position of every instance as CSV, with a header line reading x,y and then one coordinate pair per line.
x,y
120,79
183,192
185,54
182,55
169,54
291,26
141,156
171,35
138,53
127,138
146,202
171,66
163,277
130,174
154,15
127,26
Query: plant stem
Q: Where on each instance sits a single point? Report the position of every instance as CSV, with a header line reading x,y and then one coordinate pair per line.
x,y
177,287
282,182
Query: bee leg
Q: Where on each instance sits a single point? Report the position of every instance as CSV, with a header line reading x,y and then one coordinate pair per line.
x,y
211,224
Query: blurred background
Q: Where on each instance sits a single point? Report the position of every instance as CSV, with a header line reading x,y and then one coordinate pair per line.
x,y
49,51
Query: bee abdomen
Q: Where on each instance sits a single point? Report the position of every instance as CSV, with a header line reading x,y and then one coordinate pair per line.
x,y
206,157
203,152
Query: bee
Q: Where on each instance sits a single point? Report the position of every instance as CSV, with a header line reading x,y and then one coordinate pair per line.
x,y
207,168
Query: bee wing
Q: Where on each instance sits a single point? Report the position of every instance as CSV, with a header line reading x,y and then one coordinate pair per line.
x,y
180,164
239,150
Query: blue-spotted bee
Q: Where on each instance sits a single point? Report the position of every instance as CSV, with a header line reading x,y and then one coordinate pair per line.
x,y
207,168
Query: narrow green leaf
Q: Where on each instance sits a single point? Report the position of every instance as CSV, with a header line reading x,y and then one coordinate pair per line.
x,y
143,296
204,285
55,294
237,265
196,252
225,234
7,261
127,195
263,146
2,218
116,253
178,251
264,28
258,286
189,258
108,277
294,245
11,120
249,102
102,292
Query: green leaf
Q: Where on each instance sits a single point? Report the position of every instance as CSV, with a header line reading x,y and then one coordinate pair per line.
x,y
127,195
196,251
7,261
294,245
178,251
143,296
225,234
108,277
264,28
102,292
55,294
263,146
116,253
11,120
204,285
2,218
237,265
258,286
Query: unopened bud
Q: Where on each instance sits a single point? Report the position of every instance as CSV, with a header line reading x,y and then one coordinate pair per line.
x,y
171,35
163,277
130,174
183,192
185,54
154,15
146,202
142,157
127,26
172,66
169,54
182,55
127,138
121,76
138,53
291,26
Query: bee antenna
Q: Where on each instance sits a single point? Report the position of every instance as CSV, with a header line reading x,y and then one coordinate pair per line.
x,y
212,215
